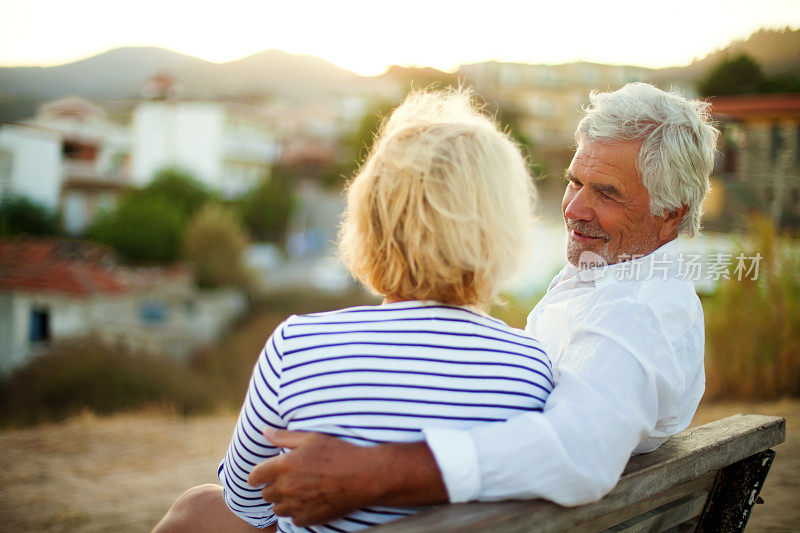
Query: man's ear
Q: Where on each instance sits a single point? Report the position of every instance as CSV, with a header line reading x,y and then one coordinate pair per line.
x,y
669,229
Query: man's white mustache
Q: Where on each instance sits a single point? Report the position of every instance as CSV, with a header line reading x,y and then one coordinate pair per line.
x,y
586,230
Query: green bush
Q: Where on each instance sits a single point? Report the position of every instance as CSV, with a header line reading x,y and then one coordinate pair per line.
x,y
743,75
266,208
148,224
214,243
753,325
142,228
184,193
19,215
87,373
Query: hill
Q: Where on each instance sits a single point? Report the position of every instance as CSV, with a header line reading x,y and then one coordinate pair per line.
x,y
121,73
777,51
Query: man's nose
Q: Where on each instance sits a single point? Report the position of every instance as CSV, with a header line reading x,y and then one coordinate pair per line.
x,y
578,206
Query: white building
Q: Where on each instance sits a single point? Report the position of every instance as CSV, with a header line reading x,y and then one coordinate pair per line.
x,y
547,97
93,153
73,158
228,147
30,164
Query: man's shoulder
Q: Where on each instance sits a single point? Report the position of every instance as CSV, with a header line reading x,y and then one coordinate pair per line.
x,y
661,294
668,308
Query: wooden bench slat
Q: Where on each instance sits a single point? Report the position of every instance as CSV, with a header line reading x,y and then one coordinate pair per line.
x,y
697,487
665,517
683,458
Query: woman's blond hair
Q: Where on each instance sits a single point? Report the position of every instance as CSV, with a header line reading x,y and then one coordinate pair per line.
x,y
442,207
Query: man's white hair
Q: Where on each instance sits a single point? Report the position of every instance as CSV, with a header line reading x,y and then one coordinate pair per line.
x,y
679,141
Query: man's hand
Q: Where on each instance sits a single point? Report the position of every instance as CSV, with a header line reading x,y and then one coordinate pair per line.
x,y
322,478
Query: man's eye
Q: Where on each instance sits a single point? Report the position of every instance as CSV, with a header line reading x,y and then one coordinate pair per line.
x,y
574,184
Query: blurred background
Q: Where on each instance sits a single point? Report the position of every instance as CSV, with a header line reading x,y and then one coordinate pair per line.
x,y
171,182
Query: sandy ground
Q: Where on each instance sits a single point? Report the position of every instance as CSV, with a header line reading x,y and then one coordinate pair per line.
x,y
781,492
122,473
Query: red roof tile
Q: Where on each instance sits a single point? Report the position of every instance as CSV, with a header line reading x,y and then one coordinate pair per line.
x,y
51,265
757,105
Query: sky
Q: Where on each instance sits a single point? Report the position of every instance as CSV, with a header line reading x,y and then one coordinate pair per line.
x,y
368,36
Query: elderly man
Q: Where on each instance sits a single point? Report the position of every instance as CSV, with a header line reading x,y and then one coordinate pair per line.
x,y
623,328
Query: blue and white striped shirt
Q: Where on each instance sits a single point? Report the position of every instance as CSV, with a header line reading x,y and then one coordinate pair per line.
x,y
377,374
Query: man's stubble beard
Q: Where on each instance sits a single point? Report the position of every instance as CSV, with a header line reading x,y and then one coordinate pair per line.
x,y
574,249
648,242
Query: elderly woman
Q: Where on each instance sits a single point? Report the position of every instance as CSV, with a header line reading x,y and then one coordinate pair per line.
x,y
437,219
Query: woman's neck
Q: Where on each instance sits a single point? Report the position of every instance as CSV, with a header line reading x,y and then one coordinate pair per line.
x,y
393,299
388,299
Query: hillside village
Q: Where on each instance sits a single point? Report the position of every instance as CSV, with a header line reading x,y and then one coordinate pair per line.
x,y
233,127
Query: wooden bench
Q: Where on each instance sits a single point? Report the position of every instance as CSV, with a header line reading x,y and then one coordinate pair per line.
x,y
704,479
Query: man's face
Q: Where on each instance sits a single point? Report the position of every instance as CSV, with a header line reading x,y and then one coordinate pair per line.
x,y
606,208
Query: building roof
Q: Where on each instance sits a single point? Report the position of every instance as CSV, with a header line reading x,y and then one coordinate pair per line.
x,y
58,266
72,106
305,150
756,106
80,268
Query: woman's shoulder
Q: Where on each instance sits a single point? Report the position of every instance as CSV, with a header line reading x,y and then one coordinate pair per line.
x,y
358,313
410,317
357,317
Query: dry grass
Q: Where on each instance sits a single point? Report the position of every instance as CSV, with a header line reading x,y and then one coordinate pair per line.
x,y
121,473
753,326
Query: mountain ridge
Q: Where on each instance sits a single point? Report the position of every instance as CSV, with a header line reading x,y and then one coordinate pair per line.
x,y
122,72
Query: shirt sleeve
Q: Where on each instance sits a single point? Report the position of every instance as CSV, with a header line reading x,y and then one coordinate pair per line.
x,y
606,400
248,447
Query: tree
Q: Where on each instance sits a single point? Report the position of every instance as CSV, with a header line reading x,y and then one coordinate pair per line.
x,y
266,208
180,189
148,224
214,244
739,75
784,83
20,215
743,75
509,118
358,144
142,228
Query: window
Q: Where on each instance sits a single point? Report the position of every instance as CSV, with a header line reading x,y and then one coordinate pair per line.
x,y
76,213
39,325
72,150
153,312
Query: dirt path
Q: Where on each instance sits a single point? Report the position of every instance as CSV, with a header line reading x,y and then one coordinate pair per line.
x,y
122,473
105,474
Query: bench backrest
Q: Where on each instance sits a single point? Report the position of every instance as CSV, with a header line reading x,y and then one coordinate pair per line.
x,y
702,479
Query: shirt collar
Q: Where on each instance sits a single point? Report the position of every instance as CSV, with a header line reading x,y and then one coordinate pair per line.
x,y
604,275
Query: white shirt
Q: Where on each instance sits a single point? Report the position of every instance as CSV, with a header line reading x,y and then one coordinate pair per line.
x,y
628,361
